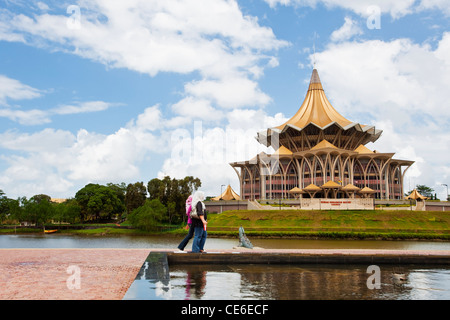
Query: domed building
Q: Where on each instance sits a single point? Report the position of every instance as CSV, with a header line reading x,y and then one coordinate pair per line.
x,y
321,154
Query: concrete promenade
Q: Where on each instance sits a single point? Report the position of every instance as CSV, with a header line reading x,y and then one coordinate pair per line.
x,y
106,274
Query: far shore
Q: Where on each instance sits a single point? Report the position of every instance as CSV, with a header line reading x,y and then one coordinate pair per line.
x,y
282,224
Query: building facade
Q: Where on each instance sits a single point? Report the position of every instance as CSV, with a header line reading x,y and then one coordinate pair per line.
x,y
320,154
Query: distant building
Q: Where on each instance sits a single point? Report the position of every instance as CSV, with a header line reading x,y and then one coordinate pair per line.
x,y
316,146
56,200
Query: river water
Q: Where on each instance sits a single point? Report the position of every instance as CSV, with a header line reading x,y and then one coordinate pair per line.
x,y
170,242
270,282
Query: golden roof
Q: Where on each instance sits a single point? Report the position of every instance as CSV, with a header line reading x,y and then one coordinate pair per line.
x,y
316,108
323,144
416,195
331,184
350,187
228,194
283,151
296,190
367,190
312,187
363,149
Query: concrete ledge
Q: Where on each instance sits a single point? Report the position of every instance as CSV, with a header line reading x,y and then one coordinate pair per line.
x,y
311,257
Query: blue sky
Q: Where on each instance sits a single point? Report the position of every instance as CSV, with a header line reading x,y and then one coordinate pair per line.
x,y
124,91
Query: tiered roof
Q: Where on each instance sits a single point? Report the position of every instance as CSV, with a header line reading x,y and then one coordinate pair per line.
x,y
316,120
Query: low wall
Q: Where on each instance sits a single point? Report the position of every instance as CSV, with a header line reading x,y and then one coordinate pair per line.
x,y
280,256
437,206
302,204
337,204
222,205
325,204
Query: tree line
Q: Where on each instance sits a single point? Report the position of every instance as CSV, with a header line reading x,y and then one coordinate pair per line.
x,y
145,206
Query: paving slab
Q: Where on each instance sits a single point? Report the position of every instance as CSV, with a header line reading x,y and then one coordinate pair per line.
x,y
68,274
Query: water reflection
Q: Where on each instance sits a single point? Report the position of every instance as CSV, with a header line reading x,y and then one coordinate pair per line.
x,y
311,282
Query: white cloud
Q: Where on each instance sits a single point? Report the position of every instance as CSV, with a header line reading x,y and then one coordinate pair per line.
x,y
28,117
157,36
38,117
382,74
70,161
42,6
207,152
349,29
236,92
15,90
12,89
441,5
401,87
82,107
193,108
395,8
212,37
44,141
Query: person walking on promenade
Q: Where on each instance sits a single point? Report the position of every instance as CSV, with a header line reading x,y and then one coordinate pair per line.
x,y
200,222
190,234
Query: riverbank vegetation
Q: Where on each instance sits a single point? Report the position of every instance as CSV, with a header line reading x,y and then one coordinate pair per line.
x,y
356,224
383,225
161,202
159,208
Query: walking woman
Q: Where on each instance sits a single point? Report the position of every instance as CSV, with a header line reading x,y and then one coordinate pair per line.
x,y
199,223
190,234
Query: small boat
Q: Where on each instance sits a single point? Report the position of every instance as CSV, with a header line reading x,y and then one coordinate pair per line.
x,y
50,231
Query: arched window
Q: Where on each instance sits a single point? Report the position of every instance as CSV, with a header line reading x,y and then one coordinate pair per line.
x,y
358,175
306,176
256,182
291,178
373,179
318,173
246,184
396,184
346,173
277,181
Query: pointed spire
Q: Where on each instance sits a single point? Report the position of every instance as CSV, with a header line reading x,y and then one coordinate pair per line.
x,y
315,83
315,77
317,110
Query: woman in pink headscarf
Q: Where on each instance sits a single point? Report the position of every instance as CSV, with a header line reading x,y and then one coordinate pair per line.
x,y
190,234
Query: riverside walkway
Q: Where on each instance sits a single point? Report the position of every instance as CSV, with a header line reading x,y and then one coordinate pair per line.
x,y
106,274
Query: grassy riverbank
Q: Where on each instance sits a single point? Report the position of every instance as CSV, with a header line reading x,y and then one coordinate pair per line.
x,y
333,224
427,225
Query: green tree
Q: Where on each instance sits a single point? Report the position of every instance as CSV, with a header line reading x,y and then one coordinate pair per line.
x,y
172,193
135,197
148,216
41,197
68,211
423,190
98,202
15,208
38,210
4,206
120,189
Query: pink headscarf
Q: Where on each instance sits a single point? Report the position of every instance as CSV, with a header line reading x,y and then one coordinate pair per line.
x,y
189,208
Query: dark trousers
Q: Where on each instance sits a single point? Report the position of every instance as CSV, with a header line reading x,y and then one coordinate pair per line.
x,y
199,239
188,237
